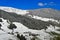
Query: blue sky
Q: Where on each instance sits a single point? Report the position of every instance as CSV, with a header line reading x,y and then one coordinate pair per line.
x,y
31,4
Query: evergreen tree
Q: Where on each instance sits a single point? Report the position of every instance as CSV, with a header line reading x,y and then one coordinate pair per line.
x,y
12,27
0,26
1,20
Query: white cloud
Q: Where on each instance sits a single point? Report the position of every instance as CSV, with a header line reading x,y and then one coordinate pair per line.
x,y
52,3
46,4
41,4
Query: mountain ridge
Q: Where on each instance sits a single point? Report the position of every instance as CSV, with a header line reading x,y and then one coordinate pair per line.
x,y
47,13
14,10
26,20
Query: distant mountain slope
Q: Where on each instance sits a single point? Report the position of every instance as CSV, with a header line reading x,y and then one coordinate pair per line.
x,y
46,12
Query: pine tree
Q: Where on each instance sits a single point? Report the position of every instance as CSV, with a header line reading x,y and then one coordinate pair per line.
x,y
12,27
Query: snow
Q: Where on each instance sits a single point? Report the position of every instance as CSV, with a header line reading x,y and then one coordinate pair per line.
x,y
5,36
20,27
43,35
53,29
14,10
5,25
43,19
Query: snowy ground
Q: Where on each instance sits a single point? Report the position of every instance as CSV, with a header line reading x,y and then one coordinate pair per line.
x,y
43,35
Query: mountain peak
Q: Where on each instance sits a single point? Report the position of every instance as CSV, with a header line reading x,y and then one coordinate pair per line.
x,y
14,10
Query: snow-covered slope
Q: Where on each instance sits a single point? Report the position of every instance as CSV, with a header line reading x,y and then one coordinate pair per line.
x,y
5,36
43,19
14,10
24,30
43,35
